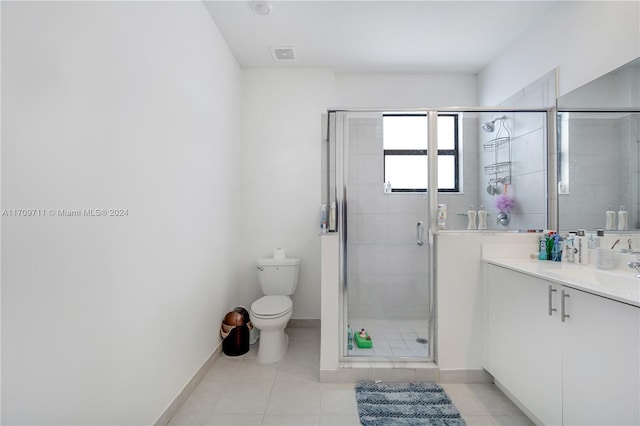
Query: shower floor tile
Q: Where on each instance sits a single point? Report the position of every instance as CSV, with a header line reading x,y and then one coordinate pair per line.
x,y
392,338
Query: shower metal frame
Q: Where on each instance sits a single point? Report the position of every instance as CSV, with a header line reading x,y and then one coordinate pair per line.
x,y
338,192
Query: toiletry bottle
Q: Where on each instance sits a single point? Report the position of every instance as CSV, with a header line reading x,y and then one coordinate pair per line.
x,y
542,252
482,218
332,217
471,216
610,219
556,251
582,252
597,240
323,218
565,248
570,247
549,243
442,216
622,219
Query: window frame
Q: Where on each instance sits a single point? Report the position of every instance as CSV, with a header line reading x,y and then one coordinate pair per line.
x,y
455,153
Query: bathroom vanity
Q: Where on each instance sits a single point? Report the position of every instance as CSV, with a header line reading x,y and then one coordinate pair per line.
x,y
563,340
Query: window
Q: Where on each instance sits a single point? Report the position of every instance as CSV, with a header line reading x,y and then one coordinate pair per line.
x,y
405,152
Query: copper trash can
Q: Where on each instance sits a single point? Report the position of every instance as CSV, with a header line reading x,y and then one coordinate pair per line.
x,y
235,332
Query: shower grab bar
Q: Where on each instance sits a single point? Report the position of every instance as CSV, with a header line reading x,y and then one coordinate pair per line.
x,y
419,233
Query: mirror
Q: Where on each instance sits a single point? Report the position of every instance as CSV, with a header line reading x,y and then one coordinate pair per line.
x,y
618,89
599,153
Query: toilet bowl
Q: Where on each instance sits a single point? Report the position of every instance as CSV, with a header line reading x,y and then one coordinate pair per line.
x,y
271,314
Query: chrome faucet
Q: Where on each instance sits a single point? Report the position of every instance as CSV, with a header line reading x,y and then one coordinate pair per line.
x,y
636,264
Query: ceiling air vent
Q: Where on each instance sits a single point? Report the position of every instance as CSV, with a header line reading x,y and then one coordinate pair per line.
x,y
283,53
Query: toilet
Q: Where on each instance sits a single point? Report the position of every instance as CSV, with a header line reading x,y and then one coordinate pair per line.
x,y
271,313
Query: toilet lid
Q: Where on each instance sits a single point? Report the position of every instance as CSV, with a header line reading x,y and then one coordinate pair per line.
x,y
271,306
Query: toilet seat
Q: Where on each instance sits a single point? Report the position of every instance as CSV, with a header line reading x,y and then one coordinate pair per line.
x,y
271,307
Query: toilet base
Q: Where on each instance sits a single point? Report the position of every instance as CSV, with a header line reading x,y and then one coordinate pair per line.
x,y
272,346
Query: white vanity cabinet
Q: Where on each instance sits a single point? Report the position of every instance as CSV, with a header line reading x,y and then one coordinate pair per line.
x,y
580,371
601,361
524,342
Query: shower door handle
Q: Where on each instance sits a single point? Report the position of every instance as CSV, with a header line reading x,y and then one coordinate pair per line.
x,y
419,233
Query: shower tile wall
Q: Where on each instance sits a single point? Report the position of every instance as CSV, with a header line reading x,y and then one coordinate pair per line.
x,y
528,171
387,269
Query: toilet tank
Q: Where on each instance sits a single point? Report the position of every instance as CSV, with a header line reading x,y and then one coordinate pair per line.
x,y
278,277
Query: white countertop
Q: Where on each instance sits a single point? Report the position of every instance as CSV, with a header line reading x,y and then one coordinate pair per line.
x,y
618,284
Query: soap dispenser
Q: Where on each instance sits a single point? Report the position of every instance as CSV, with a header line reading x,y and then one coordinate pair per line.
x,y
622,219
610,216
482,218
471,216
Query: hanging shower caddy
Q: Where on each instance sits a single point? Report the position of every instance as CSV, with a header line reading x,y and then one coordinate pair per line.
x,y
501,170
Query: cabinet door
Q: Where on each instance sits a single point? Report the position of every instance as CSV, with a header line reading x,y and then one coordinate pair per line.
x,y
523,341
601,375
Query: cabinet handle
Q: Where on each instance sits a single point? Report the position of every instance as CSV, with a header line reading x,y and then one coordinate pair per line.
x,y
563,308
551,308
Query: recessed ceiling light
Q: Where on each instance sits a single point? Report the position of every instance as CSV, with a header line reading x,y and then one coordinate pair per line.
x,y
283,53
261,8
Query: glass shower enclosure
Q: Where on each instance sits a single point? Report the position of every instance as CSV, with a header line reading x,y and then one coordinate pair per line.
x,y
377,168
378,173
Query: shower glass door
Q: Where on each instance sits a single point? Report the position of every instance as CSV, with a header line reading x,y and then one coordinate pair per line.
x,y
386,249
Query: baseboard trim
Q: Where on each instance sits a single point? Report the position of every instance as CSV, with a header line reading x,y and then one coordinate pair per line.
x,y
175,405
428,372
465,376
303,323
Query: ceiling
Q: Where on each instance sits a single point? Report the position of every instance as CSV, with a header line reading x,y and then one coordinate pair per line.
x,y
377,36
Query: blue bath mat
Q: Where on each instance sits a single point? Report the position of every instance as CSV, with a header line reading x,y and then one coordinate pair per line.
x,y
391,404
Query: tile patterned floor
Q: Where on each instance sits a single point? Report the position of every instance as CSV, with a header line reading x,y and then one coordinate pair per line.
x,y
392,338
240,391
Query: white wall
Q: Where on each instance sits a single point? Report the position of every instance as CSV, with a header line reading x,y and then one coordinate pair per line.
x,y
583,39
404,90
616,89
279,192
128,105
